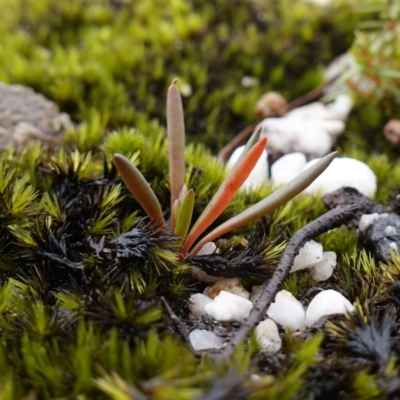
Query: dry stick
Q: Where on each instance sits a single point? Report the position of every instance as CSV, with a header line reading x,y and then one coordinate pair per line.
x,y
324,223
244,134
175,319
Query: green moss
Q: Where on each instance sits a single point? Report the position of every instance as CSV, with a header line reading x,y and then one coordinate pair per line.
x,y
117,61
82,272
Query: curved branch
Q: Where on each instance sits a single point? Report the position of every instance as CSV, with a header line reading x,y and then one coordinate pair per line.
x,y
329,220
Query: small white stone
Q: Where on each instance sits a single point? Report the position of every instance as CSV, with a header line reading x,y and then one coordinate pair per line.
x,y
342,106
249,81
287,311
289,135
309,255
229,307
287,168
390,231
344,172
327,302
201,339
197,302
258,176
231,285
208,248
393,245
366,220
268,336
323,270
315,110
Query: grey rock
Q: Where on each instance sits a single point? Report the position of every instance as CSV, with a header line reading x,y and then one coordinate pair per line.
x,y
382,236
348,196
26,115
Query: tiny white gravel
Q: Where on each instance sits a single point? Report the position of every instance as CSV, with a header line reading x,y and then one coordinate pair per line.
x,y
267,335
327,302
344,172
324,269
197,302
229,307
309,255
201,339
287,311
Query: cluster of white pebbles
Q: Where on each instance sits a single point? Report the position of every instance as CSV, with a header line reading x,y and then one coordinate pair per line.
x,y
227,300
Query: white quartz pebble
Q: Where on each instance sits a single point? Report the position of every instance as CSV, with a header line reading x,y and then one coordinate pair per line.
x,y
327,302
197,302
342,106
366,220
309,255
201,339
390,231
229,307
323,270
208,248
289,135
231,285
313,111
287,168
287,311
258,176
344,172
268,336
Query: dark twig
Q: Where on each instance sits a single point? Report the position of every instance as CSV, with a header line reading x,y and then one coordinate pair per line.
x,y
324,223
175,319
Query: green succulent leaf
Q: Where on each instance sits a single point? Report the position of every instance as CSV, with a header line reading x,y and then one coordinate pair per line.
x,y
176,144
225,193
185,214
270,203
139,187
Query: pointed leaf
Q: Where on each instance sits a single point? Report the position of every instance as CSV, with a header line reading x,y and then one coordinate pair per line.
x,y
185,215
270,203
254,138
139,187
225,193
176,144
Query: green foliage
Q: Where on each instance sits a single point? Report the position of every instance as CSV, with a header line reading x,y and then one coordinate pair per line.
x,y
373,80
109,62
81,269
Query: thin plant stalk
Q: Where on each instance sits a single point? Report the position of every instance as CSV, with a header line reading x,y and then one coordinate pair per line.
x,y
270,203
225,193
176,145
140,188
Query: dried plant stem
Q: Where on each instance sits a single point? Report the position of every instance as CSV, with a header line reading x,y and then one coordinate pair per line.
x,y
324,223
179,325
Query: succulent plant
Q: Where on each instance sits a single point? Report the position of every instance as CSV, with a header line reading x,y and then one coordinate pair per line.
x,y
182,199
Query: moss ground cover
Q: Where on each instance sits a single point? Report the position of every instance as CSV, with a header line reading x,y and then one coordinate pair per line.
x,y
82,271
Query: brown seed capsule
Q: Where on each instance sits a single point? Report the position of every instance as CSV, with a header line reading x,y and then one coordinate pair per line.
x,y
392,132
271,104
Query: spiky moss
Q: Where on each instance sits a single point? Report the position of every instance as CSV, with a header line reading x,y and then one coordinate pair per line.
x,y
82,274
117,58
